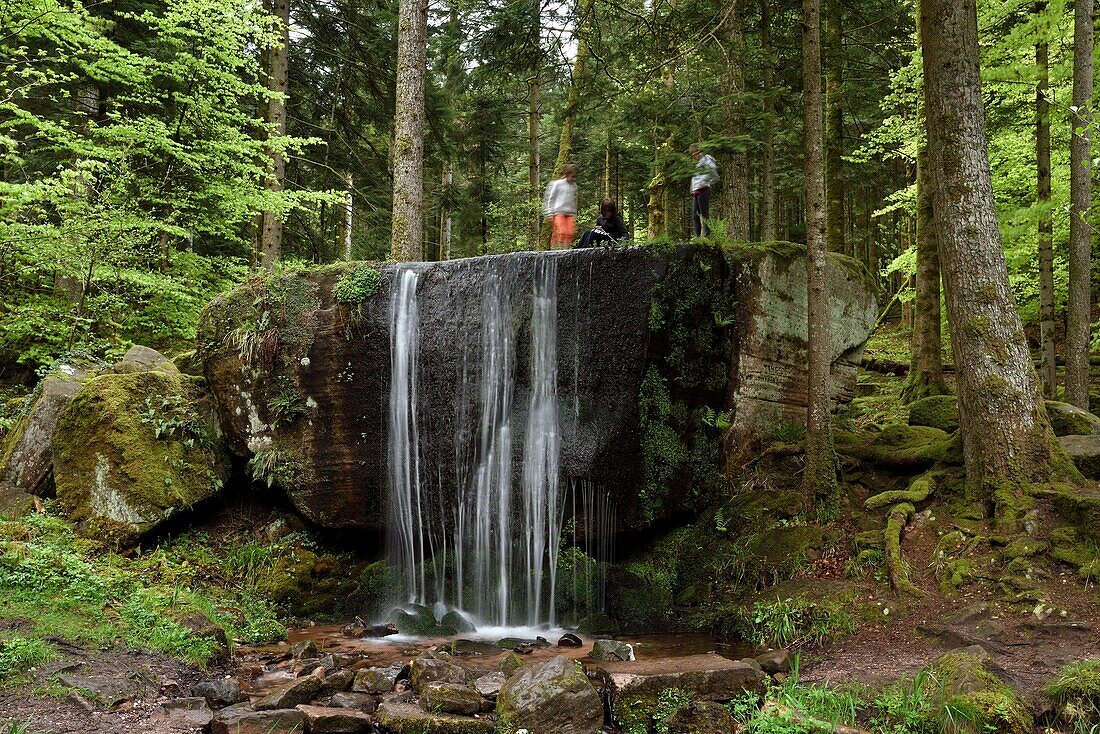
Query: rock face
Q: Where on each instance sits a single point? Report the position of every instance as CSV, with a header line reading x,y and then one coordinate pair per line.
x,y
647,342
26,456
130,450
450,698
1085,453
552,697
1069,420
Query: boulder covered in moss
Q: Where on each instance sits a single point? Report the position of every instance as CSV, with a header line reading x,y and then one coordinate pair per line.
x,y
1085,453
936,411
131,450
971,684
308,582
26,454
901,447
552,697
1069,420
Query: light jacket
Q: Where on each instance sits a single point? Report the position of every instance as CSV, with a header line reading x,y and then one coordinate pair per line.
x,y
706,173
561,198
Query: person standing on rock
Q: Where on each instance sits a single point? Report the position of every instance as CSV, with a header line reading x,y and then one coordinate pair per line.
x,y
706,173
560,206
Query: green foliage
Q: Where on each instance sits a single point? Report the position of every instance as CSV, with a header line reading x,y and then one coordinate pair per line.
x,y
17,654
1076,693
792,623
651,717
286,406
358,283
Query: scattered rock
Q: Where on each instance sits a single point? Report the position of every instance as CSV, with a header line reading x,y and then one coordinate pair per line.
x,y
1069,420
26,453
490,685
304,650
337,681
287,696
510,663
109,690
359,701
406,718
612,651
569,640
472,647
331,720
1085,453
220,693
751,662
552,697
713,678
431,666
201,626
458,622
241,719
142,359
702,717
377,680
775,661
191,712
450,698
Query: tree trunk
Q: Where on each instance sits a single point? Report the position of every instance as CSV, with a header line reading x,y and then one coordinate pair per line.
x,y
1080,187
1007,439
734,168
534,163
835,232
1046,236
408,141
445,219
926,371
767,172
820,472
576,87
349,211
278,58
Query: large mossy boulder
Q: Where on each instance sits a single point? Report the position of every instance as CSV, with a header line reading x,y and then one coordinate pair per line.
x,y
969,682
1069,420
901,447
1085,453
26,454
553,697
936,411
658,348
131,450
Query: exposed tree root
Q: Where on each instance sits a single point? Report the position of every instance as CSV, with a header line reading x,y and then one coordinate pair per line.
x,y
919,490
895,564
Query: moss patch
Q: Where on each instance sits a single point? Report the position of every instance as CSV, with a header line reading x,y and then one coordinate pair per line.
x,y
938,411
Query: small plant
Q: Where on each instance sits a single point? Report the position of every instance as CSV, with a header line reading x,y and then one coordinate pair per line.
x,y
788,623
286,406
717,419
171,418
790,433
17,654
357,284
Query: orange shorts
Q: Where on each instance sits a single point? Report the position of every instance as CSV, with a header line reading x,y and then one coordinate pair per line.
x,y
562,227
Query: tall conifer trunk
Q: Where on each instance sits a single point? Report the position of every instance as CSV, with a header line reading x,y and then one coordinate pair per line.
x,y
408,141
734,166
1007,440
835,232
1046,229
767,175
1080,194
819,477
278,58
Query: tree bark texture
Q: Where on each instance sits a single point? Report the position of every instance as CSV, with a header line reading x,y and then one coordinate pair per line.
x,y
926,372
576,86
835,232
1080,194
534,165
349,211
767,170
734,166
820,472
1007,439
278,58
407,229
1046,230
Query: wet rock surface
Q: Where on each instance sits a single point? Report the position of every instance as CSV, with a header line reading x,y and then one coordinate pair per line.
x,y
554,696
26,454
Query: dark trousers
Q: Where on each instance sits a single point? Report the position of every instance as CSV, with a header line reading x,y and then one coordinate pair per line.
x,y
700,212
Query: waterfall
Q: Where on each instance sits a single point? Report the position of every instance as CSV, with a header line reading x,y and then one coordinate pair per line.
x,y
541,512
494,552
407,527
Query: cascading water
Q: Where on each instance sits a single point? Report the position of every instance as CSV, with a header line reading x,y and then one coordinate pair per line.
x,y
405,506
493,551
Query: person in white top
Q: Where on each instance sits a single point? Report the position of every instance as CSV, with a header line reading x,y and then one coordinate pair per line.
x,y
706,173
560,207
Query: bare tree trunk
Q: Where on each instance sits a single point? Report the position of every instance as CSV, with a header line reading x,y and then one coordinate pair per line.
x,y
445,218
607,165
576,87
408,141
278,57
534,164
657,208
735,188
1080,187
1007,439
819,476
349,211
835,233
926,373
767,173
1046,229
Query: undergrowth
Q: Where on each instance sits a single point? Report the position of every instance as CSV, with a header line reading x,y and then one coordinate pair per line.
x,y
792,623
66,586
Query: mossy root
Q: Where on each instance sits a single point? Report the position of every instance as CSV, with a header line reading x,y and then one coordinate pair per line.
x,y
919,490
899,570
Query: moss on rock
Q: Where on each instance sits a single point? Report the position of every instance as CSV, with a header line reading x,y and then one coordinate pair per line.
x,y
909,448
1069,420
131,450
971,691
937,411
310,583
